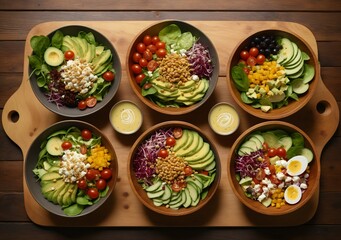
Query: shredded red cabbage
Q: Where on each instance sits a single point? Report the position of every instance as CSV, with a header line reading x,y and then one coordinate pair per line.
x,y
146,154
248,165
200,60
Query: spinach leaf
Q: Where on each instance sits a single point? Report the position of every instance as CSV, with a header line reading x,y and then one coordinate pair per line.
x,y
39,44
149,91
185,41
57,39
35,62
245,98
240,78
170,34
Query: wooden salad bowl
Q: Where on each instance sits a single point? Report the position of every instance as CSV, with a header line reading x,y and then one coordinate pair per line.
x,y
153,30
314,178
142,194
293,106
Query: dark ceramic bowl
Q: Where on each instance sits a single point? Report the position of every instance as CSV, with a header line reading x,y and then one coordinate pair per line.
x,y
154,30
32,156
142,194
74,112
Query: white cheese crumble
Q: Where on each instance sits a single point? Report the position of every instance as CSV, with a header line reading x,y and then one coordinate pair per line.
x,y
73,166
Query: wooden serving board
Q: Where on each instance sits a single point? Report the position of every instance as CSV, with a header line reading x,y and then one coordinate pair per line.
x,y
24,118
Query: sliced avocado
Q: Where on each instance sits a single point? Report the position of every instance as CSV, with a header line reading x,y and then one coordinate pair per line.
x,y
53,56
200,154
61,194
51,176
99,50
54,146
90,54
55,195
245,181
78,46
70,43
101,59
181,141
267,202
203,165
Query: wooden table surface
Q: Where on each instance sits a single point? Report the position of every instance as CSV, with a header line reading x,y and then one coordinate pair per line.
x,y
18,17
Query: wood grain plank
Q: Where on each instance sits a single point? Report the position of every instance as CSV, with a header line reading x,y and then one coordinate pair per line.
x,y
193,5
15,25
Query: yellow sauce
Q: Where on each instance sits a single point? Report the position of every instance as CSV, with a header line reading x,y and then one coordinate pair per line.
x,y
223,119
126,117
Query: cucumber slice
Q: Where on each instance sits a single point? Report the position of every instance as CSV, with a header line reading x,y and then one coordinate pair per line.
x,y
308,154
155,194
298,86
188,199
192,191
244,151
154,187
250,144
309,73
271,139
286,142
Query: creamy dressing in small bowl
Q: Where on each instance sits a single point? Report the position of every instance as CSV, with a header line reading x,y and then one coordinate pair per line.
x,y
223,119
126,117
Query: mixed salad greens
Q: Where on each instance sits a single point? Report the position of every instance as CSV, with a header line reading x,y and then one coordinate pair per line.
x,y
271,71
272,167
73,169
72,71
175,166
173,68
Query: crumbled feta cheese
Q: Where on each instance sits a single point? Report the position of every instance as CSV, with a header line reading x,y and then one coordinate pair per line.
x,y
261,197
280,176
195,77
267,171
73,166
296,179
303,186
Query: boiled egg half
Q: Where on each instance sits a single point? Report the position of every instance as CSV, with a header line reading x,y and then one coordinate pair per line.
x,y
297,165
293,194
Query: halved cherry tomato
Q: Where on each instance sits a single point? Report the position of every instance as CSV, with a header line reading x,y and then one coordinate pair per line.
x,y
148,55
265,147
91,101
82,105
163,153
86,134
106,173
92,174
93,193
170,141
66,145
152,65
178,186
152,48
204,172
83,149
147,86
108,76
69,55
82,184
260,174
139,78
147,40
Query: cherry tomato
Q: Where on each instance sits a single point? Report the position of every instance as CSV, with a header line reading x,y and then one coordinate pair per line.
x,y
244,55
82,184
246,70
177,132
143,62
176,187
242,61
204,172
101,184
260,59
160,45
69,55
91,101
148,55
152,48
139,78
155,39
265,147
188,171
274,179
272,152
260,174
86,134
92,174
281,152
163,153
108,76
152,65
81,105
136,57
254,52
147,40
147,86
141,47
83,149
251,61
161,52
93,193
66,145
106,174
136,68
170,141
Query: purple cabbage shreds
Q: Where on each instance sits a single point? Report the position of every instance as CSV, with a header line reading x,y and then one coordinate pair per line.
x,y
200,61
146,154
249,164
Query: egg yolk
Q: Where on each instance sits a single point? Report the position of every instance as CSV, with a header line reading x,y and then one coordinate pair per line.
x,y
292,194
295,166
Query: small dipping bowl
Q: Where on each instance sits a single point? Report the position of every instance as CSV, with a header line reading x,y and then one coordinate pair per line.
x,y
223,118
126,117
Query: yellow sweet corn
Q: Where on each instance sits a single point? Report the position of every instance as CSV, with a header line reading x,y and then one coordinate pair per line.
x,y
100,158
